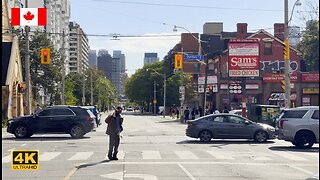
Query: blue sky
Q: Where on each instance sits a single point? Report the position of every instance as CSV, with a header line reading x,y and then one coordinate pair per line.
x,y
143,17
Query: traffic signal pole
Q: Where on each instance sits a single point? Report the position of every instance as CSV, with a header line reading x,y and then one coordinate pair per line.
x,y
286,57
63,69
27,68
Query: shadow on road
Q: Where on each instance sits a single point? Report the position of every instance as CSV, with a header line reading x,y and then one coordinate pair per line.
x,y
294,149
169,121
42,138
92,164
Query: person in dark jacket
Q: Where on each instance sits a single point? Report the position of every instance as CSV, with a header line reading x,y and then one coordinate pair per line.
x,y
225,110
114,130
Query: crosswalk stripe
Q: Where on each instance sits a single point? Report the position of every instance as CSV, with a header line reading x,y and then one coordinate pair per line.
x,y
289,156
151,155
220,155
6,159
186,155
120,155
81,156
47,156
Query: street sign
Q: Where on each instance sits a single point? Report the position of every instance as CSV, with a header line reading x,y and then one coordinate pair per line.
x,y
181,90
193,57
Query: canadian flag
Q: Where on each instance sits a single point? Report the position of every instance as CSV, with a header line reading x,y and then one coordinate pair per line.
x,y
28,16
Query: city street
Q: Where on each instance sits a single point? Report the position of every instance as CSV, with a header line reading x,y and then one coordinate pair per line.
x,y
154,148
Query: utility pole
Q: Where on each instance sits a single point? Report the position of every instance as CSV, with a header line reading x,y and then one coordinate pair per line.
x,y
154,97
27,68
83,90
63,68
286,57
164,94
91,89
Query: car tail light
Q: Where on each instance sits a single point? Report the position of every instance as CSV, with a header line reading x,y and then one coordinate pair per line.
x,y
90,118
281,123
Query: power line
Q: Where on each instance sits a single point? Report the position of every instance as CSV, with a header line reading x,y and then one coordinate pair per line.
x,y
191,6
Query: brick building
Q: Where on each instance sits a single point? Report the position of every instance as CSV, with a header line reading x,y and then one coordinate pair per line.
x,y
265,89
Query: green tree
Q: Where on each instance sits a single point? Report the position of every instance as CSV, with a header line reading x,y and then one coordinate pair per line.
x,y
139,88
43,77
309,46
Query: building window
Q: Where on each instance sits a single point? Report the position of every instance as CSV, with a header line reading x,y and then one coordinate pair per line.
x,y
268,48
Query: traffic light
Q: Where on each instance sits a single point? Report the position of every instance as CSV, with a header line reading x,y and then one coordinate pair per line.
x,y
286,50
178,61
210,88
45,56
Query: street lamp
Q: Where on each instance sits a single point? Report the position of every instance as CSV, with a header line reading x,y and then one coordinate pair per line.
x,y
164,89
206,63
286,57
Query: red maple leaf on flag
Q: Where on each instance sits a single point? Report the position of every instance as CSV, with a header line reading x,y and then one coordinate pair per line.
x,y
28,16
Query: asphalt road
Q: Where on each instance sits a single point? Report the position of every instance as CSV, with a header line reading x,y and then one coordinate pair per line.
x,y
153,148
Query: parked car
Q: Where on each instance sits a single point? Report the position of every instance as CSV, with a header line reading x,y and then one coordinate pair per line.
x,y
98,119
129,109
300,126
76,121
228,126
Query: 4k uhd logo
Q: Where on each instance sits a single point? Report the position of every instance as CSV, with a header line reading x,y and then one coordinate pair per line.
x,y
25,159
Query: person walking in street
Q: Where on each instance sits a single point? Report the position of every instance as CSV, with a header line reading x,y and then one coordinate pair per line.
x,y
96,114
186,114
114,130
38,109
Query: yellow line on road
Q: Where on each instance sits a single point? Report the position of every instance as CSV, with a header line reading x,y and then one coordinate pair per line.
x,y
67,177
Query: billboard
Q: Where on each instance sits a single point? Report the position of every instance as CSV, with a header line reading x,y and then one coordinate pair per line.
x,y
243,58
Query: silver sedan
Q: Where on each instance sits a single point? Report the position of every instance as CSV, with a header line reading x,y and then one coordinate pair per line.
x,y
228,126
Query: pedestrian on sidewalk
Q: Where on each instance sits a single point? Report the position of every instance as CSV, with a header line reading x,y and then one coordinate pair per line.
x,y
114,130
38,109
186,114
193,113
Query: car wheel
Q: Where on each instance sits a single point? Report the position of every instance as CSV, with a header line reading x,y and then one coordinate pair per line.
x,y
205,136
304,140
21,131
76,131
260,136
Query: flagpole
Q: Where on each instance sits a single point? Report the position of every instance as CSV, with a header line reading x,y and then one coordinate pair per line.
x,y
27,68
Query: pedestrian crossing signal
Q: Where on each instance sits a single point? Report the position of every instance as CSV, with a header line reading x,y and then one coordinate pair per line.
x,y
45,56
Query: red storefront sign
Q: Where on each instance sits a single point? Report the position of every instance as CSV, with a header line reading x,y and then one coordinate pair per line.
x,y
270,78
312,77
243,60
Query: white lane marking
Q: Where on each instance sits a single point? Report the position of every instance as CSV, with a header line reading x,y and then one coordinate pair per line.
x,y
122,175
11,149
186,155
261,158
288,155
120,155
151,155
187,172
47,156
23,145
300,169
81,156
220,155
211,162
6,159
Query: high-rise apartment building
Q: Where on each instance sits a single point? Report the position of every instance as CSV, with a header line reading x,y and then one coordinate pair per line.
x,y
113,66
93,58
79,49
150,58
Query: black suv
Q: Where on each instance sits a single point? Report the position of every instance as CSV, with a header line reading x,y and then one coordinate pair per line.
x,y
72,120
